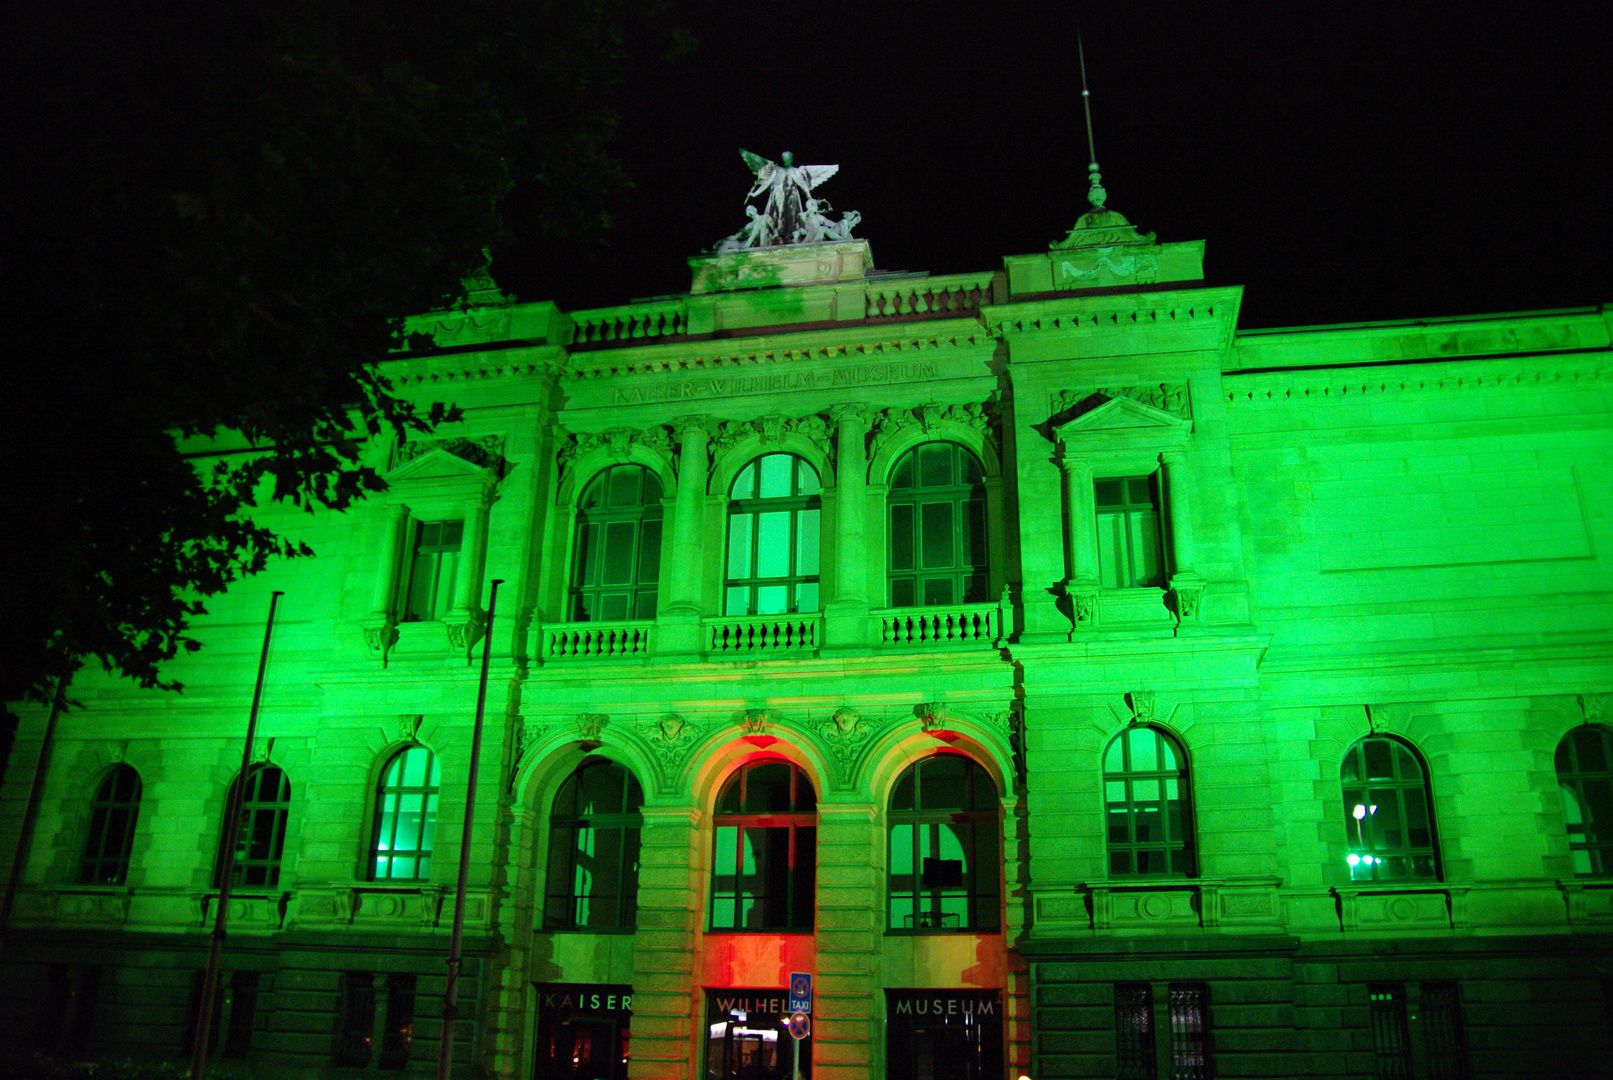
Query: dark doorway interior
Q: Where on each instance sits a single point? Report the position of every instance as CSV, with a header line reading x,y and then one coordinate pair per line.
x,y
944,1035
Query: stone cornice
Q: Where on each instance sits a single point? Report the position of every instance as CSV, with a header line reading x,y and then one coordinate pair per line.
x,y
699,357
1451,376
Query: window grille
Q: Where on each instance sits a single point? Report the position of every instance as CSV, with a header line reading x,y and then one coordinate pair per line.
x,y
1134,1032
1190,1031
1443,1037
1391,1039
357,1027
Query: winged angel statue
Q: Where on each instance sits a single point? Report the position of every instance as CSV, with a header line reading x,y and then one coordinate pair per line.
x,y
790,215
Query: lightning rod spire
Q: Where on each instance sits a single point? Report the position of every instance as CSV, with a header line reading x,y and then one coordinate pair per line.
x,y
1095,193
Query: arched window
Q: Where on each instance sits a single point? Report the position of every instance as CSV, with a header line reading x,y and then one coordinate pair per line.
x,y
1585,771
618,560
593,850
937,528
764,869
261,841
945,853
1147,805
773,513
1388,815
406,817
111,836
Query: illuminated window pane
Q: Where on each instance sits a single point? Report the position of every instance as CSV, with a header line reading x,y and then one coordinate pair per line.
x,y
1148,809
945,863
1388,817
1583,772
765,857
594,835
773,538
406,816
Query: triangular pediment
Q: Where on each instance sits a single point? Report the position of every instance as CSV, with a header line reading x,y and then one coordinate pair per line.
x,y
1101,413
438,464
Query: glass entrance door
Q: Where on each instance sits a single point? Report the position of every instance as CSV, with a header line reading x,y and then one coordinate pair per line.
x,y
582,1032
944,1035
748,1038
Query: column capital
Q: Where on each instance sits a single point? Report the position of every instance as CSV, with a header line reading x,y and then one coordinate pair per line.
x,y
854,410
1076,467
1172,458
683,425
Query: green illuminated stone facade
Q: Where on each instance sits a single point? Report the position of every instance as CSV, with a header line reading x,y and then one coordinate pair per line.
x,y
1075,685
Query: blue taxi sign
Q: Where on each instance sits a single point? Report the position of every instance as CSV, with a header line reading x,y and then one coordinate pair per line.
x,y
800,992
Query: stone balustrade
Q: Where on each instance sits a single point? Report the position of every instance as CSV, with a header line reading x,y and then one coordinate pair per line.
x,y
954,294
629,323
752,634
597,640
955,626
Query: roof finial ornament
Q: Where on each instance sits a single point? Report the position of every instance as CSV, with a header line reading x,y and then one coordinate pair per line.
x,y
1099,227
1095,193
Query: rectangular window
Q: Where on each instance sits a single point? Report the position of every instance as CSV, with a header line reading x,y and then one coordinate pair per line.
x,y
1391,1039
399,1034
1443,1036
235,1005
429,593
1134,1032
1130,551
357,1020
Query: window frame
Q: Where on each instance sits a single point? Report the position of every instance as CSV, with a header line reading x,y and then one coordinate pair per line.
x,y
1587,836
1183,848
799,822
427,547
754,506
968,527
1418,792
109,833
254,810
981,874
565,833
589,557
425,834
1127,512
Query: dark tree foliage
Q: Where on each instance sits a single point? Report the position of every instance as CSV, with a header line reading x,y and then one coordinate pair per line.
x,y
222,212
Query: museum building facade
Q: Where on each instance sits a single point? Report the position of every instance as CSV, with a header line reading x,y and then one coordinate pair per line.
x,y
1072,684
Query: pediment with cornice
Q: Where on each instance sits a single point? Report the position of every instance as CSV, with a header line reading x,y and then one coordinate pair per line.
x,y
1101,419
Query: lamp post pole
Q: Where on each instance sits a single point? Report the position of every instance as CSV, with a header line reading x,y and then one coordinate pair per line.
x,y
450,996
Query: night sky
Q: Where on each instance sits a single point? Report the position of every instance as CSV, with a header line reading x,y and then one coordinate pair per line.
x,y
1344,162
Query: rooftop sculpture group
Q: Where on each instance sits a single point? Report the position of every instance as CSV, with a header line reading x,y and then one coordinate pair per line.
x,y
789,215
